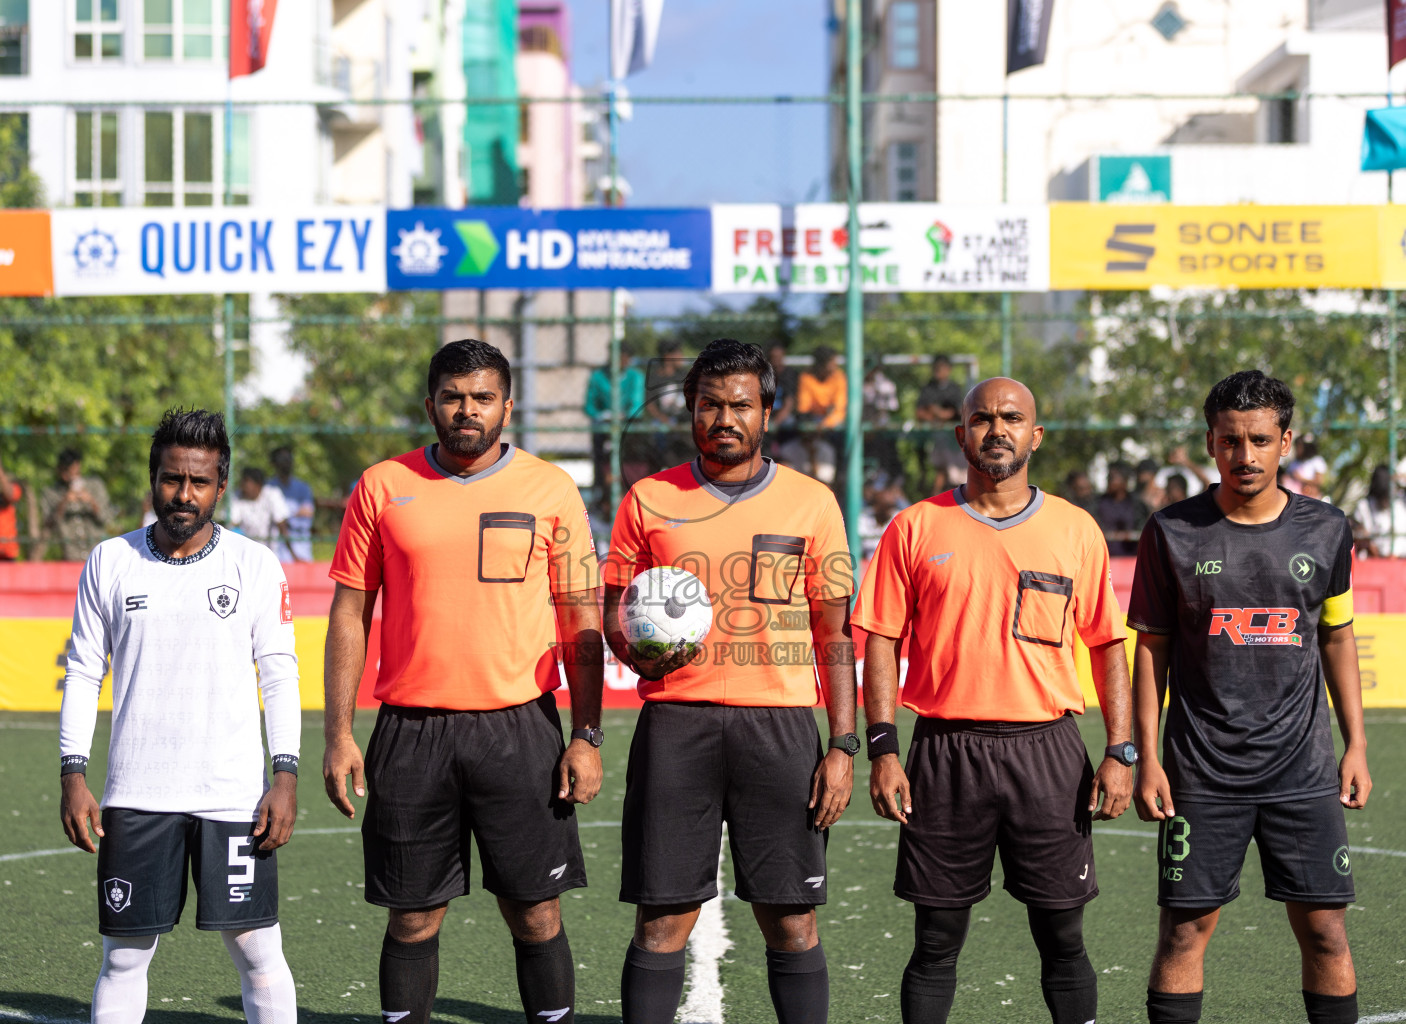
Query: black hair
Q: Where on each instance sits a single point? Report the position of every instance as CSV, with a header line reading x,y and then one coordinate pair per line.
x,y
281,448
823,354
1177,478
191,428
253,473
1248,390
469,356
1380,487
68,457
1148,466
941,359
669,346
727,356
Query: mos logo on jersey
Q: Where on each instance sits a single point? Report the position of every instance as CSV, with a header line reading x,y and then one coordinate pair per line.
x,y
223,601
1256,626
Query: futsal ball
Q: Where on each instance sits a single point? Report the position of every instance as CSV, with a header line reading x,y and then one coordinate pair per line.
x,y
665,608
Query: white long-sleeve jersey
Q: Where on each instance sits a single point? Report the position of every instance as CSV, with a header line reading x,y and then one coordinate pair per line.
x,y
184,636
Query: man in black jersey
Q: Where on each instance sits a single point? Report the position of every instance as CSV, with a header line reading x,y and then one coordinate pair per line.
x,y
1245,593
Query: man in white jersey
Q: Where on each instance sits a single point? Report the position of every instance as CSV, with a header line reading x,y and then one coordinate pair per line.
x,y
185,611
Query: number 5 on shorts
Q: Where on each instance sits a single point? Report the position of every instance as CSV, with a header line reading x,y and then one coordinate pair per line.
x,y
241,865
1175,845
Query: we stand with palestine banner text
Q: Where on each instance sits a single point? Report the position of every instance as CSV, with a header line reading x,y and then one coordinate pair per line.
x,y
761,247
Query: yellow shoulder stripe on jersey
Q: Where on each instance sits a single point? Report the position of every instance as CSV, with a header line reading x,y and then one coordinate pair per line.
x,y
1337,611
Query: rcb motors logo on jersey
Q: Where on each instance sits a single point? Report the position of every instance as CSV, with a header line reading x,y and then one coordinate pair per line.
x,y
1255,626
223,601
117,894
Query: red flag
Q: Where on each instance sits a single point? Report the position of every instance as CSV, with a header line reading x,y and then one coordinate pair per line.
x,y
1395,32
250,25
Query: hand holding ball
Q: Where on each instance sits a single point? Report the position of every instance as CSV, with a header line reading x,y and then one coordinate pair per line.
x,y
665,615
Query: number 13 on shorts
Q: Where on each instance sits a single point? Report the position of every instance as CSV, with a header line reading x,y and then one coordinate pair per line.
x,y
241,868
1173,847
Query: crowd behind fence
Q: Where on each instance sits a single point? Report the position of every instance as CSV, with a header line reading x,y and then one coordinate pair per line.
x,y
1119,378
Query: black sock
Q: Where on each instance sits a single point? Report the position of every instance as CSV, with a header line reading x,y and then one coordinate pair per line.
x,y
546,980
799,984
1330,1009
651,986
930,979
1067,979
409,977
1173,1007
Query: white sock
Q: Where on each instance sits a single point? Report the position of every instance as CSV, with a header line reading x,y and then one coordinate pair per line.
x,y
119,997
264,977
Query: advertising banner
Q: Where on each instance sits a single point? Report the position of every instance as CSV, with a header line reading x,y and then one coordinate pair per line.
x,y
26,265
205,250
1135,247
906,247
510,247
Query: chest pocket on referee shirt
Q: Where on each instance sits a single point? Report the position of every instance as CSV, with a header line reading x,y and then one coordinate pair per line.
x,y
777,560
505,542
1041,607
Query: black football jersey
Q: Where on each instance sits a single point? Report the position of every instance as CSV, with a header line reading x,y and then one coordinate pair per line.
x,y
1248,716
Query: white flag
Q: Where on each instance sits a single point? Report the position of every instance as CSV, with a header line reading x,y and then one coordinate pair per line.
x,y
634,29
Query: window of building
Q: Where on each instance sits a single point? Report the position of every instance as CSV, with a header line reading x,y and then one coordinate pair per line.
x,y
904,35
903,172
524,122
14,37
183,30
539,39
183,158
97,175
97,30
1283,120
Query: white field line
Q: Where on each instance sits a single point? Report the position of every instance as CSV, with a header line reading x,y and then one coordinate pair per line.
x,y
706,946
9,1013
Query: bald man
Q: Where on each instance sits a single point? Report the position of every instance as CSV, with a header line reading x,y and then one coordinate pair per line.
x,y
990,583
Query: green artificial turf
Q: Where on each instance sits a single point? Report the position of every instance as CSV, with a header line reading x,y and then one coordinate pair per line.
x,y
50,949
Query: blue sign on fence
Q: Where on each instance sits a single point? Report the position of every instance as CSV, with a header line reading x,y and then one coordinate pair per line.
x,y
510,247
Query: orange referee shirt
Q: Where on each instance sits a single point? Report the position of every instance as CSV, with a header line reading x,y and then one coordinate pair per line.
x,y
467,566
991,606
761,555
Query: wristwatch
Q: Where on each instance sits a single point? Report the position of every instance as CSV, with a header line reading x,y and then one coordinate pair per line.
x,y
595,737
849,743
1123,753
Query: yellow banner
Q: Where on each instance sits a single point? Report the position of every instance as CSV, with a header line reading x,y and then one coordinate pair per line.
x,y
1115,246
32,653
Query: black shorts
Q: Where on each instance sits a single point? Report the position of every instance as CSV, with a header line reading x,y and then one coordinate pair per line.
x,y
142,861
436,778
695,766
978,787
1302,844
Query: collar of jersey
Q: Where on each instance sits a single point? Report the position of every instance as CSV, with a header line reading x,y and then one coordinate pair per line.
x,y
161,556
1000,524
751,492
505,456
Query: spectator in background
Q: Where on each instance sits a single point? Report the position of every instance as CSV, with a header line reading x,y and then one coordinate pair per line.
x,y
880,403
939,406
1079,491
884,498
1182,460
1177,489
10,494
598,410
1308,473
1121,514
940,399
1148,490
821,400
74,511
667,407
297,496
259,511
1372,522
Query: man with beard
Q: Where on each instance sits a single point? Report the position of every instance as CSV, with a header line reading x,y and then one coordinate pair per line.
x,y
990,583
482,553
186,611
730,738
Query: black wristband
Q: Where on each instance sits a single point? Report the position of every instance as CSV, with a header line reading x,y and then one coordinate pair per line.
x,y
882,739
286,763
73,764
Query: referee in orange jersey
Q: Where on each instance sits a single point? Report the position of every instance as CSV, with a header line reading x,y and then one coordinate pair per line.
x,y
991,583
